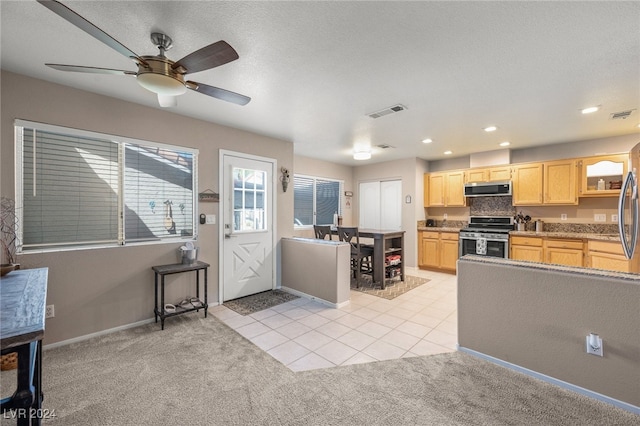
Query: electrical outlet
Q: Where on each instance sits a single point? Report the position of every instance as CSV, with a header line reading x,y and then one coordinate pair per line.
x,y
444,216
600,217
51,312
594,345
563,216
614,218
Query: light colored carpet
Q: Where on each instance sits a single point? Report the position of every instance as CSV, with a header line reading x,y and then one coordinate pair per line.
x,y
392,288
198,371
260,301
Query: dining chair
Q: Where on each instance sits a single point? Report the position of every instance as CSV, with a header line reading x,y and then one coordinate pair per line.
x,y
322,231
361,256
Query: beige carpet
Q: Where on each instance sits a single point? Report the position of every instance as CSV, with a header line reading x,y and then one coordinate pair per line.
x,y
198,371
393,288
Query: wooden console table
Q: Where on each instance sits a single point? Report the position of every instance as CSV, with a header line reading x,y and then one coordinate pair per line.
x,y
23,298
177,268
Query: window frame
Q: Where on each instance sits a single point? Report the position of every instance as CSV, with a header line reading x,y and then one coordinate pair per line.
x,y
122,142
315,179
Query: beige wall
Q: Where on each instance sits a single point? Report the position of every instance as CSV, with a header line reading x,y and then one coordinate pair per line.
x,y
99,289
410,171
538,318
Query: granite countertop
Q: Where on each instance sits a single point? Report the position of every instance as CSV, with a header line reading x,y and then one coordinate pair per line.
x,y
568,235
439,228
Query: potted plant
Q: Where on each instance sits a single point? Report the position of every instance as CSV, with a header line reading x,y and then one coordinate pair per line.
x,y
8,235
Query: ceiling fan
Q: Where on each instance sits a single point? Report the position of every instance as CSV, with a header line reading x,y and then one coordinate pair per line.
x,y
158,74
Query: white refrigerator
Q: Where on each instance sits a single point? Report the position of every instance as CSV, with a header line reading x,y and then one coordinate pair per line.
x,y
628,211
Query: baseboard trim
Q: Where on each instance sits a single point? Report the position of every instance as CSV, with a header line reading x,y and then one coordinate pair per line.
x,y
566,385
317,299
96,334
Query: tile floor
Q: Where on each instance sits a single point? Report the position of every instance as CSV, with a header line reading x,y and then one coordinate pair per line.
x,y
304,334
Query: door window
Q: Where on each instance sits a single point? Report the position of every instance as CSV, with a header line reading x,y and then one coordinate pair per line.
x,y
249,200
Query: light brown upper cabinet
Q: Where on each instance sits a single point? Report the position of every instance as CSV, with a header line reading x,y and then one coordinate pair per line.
x,y
527,184
606,170
491,174
446,189
560,182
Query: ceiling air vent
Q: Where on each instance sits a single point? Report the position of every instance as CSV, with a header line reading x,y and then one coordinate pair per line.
x,y
621,115
387,111
384,146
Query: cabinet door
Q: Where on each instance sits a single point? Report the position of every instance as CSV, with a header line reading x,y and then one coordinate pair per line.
x,y
608,168
436,189
608,261
560,182
499,173
430,256
449,254
529,253
476,175
455,189
527,184
564,256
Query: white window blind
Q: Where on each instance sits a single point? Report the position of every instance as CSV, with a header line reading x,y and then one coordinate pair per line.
x,y
82,188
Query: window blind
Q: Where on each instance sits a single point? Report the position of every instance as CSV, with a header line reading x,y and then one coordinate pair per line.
x,y
315,200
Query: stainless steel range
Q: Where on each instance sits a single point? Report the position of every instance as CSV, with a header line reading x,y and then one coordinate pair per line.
x,y
486,236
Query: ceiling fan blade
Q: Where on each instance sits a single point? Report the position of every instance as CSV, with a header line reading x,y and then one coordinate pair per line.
x,y
167,101
218,93
80,22
208,57
92,70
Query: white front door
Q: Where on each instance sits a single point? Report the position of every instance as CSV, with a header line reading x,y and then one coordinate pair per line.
x,y
248,205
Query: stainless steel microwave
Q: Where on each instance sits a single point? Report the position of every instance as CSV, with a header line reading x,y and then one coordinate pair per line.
x,y
487,189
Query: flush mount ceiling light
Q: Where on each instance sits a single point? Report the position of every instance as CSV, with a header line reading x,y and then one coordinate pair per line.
x,y
505,143
427,140
490,129
590,110
362,155
448,152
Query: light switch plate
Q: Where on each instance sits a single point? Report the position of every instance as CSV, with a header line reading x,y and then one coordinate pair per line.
x,y
210,219
563,216
614,218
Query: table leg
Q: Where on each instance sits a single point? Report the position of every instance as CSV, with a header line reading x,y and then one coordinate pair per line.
x,y
378,261
162,301
155,293
198,286
206,305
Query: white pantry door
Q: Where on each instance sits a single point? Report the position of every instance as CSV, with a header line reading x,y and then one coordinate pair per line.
x,y
248,208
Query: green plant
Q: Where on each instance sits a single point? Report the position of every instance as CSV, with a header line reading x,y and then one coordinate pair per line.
x,y
8,231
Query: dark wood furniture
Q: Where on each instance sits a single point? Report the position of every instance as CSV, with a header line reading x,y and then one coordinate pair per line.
x,y
321,231
177,268
385,243
23,298
361,256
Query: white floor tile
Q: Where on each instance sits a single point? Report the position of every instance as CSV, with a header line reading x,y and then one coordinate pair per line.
x,y
260,315
311,361
414,329
356,339
269,340
402,340
351,321
359,358
253,329
239,321
336,352
314,320
288,352
333,329
313,340
293,330
382,350
374,329
276,321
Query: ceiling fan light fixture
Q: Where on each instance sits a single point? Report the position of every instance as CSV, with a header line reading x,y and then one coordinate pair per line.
x,y
161,84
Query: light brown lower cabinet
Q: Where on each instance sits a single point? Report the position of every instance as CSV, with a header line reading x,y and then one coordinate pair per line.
x,y
438,250
607,255
564,252
526,248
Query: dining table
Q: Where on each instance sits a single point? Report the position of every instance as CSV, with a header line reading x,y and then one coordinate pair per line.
x,y
386,242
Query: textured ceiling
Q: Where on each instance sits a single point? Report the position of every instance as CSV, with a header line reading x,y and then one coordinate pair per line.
x,y
315,69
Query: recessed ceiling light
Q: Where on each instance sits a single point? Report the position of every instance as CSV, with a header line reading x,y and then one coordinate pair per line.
x,y
448,152
590,110
490,129
505,143
427,140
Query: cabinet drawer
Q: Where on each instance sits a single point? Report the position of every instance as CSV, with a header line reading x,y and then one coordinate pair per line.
x,y
566,244
612,247
430,235
526,241
449,236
